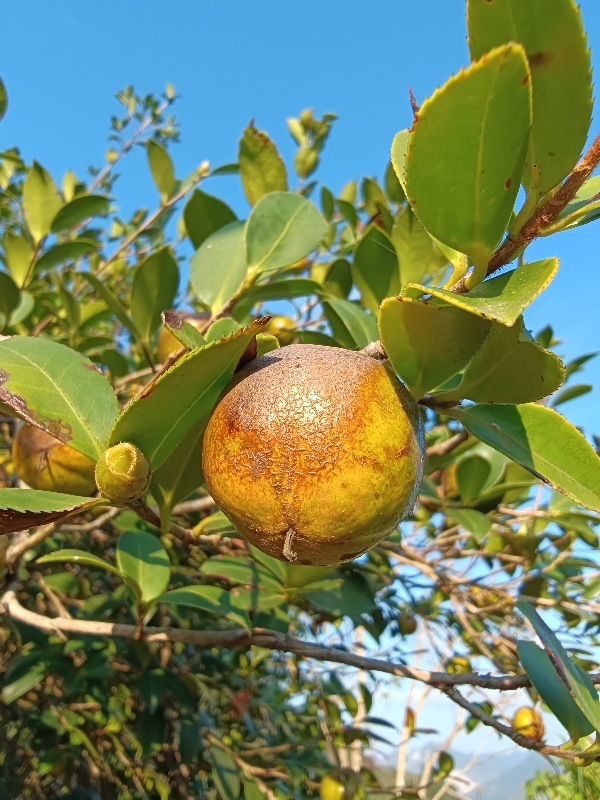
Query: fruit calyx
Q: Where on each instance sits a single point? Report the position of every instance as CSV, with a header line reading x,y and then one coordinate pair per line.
x,y
123,474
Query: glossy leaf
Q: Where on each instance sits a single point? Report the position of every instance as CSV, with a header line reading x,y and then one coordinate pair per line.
x,y
204,215
161,168
23,309
353,598
261,168
282,228
154,288
222,328
206,598
225,773
554,40
571,393
68,251
25,508
577,681
472,473
503,298
373,197
41,201
393,187
218,267
466,153
157,420
58,390
241,571
112,301
18,254
509,367
299,576
265,343
9,295
79,209
552,690
428,344
543,442
351,326
398,157
375,268
281,290
23,684
471,520
68,556
413,246
141,558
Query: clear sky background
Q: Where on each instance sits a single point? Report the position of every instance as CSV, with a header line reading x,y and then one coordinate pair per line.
x,y
232,60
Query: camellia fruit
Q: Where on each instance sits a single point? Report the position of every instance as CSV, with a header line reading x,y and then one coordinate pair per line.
x,y
283,328
407,624
528,722
123,474
46,464
315,453
341,784
458,665
168,344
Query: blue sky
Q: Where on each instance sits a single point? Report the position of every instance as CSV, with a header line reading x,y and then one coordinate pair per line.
x,y
232,60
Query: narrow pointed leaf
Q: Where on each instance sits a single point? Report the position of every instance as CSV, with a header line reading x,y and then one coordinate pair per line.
x,y
25,508
68,251
225,774
79,209
375,268
18,254
261,168
58,390
399,150
218,267
141,558
543,442
161,168
206,598
68,556
157,420
154,288
41,201
351,326
467,150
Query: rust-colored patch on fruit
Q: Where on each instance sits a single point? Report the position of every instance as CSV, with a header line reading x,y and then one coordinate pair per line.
x,y
313,448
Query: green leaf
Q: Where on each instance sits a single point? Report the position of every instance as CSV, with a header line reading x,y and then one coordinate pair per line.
x,y
351,326
68,251
216,523
82,557
509,367
3,99
553,37
141,557
63,582
375,268
225,773
261,168
157,420
353,598
282,228
185,333
472,473
9,295
58,390
24,684
281,290
251,790
79,209
393,187
373,197
338,279
204,215
428,344
218,267
552,690
206,598
222,328
23,310
399,151
543,442
154,288
579,684
41,201
299,576
180,474
413,246
571,393
18,254
247,599
112,301
471,520
161,168
240,570
266,343
25,508
466,154
503,298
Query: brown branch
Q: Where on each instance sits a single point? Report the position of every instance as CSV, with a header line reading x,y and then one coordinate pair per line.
x,y
23,544
193,506
447,446
185,535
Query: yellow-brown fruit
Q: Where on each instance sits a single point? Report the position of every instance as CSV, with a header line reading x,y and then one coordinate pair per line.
x,y
407,624
169,344
458,665
283,328
45,463
123,473
528,722
314,453
341,784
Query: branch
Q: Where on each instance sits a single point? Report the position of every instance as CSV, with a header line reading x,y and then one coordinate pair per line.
x,y
23,544
185,535
443,448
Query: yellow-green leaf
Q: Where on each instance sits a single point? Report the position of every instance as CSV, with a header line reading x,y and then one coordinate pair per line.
x,y
375,268
25,508
218,267
261,168
18,254
41,201
161,168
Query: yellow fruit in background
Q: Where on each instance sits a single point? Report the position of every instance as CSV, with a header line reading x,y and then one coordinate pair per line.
x,y
407,624
528,722
315,453
44,463
341,784
169,344
123,473
283,328
458,665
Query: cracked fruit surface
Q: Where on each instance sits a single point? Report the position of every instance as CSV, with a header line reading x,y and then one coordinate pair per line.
x,y
123,473
314,453
46,464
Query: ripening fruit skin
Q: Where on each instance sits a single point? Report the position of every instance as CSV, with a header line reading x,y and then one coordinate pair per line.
x,y
407,624
46,464
340,784
278,326
459,665
315,453
529,722
169,344
123,474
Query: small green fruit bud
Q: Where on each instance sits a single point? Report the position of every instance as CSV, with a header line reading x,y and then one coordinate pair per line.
x,y
123,473
305,161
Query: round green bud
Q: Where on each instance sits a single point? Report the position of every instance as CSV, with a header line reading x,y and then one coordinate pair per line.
x,y
123,474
